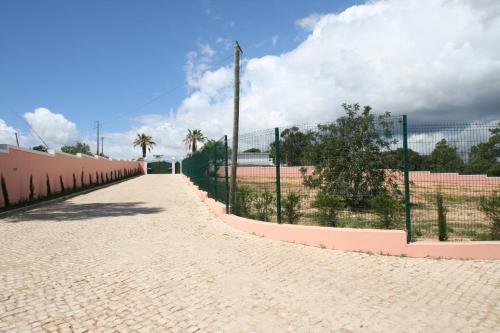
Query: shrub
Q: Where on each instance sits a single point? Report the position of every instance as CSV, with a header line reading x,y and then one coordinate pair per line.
x,y
47,182
491,207
61,183
82,180
442,224
102,178
388,208
5,193
97,178
74,182
90,180
291,207
32,189
107,178
264,205
328,206
243,201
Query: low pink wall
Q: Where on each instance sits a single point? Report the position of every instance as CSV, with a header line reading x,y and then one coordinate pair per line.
x,y
17,164
389,242
415,176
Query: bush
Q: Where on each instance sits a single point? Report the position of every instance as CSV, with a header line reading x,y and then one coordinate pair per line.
x,y
291,206
90,180
491,207
328,206
264,205
5,193
47,182
61,183
32,189
243,201
74,182
388,208
442,224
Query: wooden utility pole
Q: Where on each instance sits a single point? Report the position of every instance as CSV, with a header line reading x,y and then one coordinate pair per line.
x,y
236,119
17,139
97,126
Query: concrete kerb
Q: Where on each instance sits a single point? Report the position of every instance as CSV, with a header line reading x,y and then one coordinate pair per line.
x,y
387,242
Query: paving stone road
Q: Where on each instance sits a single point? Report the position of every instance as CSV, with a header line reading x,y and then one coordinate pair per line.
x,y
146,255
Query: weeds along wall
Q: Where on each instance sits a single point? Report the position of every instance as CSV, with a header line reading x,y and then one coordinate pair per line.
x,y
364,171
27,174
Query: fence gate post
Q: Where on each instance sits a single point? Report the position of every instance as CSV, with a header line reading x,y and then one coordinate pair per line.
x,y
278,175
226,166
409,233
215,169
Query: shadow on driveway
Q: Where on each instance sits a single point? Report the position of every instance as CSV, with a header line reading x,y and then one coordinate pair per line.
x,y
67,211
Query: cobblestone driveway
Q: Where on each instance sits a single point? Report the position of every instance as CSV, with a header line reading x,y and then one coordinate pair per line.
x,y
145,255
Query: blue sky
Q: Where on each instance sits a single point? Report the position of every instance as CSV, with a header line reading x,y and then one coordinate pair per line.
x,y
65,64
102,60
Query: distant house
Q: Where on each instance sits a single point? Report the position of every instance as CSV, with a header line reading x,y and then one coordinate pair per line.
x,y
255,159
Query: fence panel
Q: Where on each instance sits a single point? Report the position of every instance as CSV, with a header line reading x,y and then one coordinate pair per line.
x,y
351,173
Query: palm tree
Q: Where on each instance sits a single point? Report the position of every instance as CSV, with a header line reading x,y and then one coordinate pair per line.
x,y
145,142
192,139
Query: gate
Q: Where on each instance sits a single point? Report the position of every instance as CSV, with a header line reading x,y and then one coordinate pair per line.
x,y
160,167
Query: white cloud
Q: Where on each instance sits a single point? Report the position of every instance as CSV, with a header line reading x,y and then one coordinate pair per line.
x,y
7,133
431,59
434,60
309,22
54,128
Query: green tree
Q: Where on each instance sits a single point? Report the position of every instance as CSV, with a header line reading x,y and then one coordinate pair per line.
x,y
78,148
484,157
293,144
445,158
389,209
192,138
252,150
145,142
349,159
40,148
393,159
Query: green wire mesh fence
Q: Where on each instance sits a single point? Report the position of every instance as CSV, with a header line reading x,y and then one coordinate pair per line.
x,y
352,173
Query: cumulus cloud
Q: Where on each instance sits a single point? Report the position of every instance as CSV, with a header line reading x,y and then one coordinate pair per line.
x,y
7,133
435,60
54,128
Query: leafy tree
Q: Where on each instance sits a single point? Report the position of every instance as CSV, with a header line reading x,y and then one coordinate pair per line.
x,y
145,142
252,150
349,159
78,148
192,138
40,148
445,158
393,159
208,145
293,144
484,157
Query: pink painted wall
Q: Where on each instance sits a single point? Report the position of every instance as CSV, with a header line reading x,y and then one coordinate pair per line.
x,y
389,242
17,164
415,176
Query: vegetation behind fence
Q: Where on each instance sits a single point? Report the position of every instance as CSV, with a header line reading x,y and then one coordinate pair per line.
x,y
364,171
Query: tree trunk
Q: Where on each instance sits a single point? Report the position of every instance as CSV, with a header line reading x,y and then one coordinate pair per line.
x,y
193,146
143,151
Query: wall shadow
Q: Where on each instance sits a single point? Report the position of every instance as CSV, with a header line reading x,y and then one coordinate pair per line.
x,y
68,211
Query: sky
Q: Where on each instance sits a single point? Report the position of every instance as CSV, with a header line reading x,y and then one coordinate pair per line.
x,y
161,67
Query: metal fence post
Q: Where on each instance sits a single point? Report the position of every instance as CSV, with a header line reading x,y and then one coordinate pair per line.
x,y
278,176
226,166
409,233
